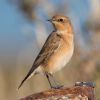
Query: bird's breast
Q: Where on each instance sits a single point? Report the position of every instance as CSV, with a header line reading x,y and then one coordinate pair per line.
x,y
59,59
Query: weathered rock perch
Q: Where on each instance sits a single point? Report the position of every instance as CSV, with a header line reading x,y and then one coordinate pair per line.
x,y
81,91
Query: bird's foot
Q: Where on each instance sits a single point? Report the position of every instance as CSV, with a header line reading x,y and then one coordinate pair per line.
x,y
57,87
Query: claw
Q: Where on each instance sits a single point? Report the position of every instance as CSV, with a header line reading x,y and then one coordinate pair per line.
x,y
57,87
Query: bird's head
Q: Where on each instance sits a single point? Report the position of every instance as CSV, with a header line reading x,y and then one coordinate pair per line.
x,y
61,23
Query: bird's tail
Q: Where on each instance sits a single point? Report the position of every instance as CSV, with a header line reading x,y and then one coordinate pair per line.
x,y
30,73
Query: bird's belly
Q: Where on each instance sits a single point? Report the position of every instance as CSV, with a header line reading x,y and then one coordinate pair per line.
x,y
58,61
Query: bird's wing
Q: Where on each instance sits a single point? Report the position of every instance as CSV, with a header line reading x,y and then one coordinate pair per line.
x,y
50,46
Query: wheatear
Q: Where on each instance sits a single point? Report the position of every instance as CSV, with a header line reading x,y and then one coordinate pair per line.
x,y
56,51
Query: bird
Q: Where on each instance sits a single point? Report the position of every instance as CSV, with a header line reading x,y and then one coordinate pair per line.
x,y
56,51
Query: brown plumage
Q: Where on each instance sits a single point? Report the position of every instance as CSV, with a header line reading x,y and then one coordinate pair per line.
x,y
57,49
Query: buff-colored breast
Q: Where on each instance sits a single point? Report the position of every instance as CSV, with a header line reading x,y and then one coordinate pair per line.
x,y
60,58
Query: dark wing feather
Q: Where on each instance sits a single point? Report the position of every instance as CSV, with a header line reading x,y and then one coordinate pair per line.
x,y
51,44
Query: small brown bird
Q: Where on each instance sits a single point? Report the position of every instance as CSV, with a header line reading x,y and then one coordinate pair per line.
x,y
56,51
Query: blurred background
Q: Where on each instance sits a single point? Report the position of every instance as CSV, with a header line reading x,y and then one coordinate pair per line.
x,y
24,29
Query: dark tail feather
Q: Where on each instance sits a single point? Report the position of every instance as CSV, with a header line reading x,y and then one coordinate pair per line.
x,y
22,82
27,76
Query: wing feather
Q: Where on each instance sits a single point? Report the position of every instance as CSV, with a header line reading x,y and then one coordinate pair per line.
x,y
51,44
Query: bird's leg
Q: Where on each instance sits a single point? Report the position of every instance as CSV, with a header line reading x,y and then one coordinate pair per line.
x,y
51,79
57,84
47,75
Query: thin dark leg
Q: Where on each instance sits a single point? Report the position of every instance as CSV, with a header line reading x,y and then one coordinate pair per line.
x,y
47,75
55,82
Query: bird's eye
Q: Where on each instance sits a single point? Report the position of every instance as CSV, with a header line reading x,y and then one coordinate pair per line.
x,y
61,20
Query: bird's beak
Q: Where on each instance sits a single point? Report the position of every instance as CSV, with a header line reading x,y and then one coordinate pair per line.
x,y
50,20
